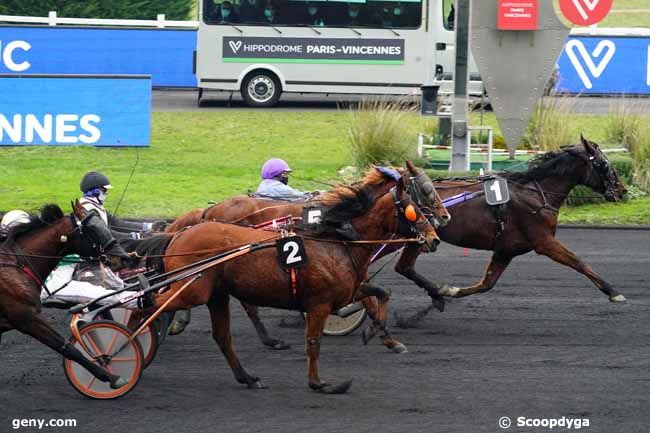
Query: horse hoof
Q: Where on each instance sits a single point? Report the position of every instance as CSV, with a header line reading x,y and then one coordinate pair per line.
x,y
617,298
118,383
278,345
177,327
326,388
341,388
399,348
439,304
257,384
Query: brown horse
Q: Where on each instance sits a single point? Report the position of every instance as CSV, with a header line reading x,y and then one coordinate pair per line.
x,y
529,220
247,210
330,279
28,255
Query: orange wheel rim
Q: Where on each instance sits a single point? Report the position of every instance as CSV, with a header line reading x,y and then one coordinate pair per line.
x,y
84,383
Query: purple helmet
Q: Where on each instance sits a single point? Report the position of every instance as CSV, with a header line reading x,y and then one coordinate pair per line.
x,y
274,167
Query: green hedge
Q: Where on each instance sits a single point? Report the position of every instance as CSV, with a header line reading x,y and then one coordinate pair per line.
x,y
115,9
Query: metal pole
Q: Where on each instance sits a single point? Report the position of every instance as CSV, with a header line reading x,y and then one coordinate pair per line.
x,y
459,156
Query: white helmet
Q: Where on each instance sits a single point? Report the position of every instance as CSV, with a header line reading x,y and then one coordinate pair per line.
x,y
13,218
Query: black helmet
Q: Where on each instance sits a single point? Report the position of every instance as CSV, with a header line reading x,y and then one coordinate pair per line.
x,y
94,179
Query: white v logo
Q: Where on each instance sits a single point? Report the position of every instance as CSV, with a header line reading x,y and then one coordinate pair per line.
x,y
234,46
596,70
591,5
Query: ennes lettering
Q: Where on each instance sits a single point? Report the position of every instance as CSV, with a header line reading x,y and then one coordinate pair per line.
x,y
10,57
49,128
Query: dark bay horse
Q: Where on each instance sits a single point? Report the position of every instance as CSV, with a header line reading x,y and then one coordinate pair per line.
x,y
330,279
529,220
247,210
28,255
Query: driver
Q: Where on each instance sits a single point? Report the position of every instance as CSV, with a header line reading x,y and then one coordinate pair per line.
x,y
95,187
275,182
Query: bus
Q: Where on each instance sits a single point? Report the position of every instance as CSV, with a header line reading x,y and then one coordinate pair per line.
x,y
264,48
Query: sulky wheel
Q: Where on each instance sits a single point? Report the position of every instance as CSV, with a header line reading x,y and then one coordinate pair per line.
x,y
103,338
149,338
337,325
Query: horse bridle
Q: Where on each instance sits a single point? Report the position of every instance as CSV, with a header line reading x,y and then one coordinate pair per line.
x,y
402,221
420,188
604,169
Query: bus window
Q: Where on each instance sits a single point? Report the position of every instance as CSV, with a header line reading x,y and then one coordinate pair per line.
x,y
358,13
448,14
220,12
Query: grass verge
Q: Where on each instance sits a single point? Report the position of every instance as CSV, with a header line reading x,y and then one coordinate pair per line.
x,y
201,156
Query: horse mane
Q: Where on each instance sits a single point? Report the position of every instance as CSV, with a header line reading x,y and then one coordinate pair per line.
x,y
346,202
155,245
49,214
558,163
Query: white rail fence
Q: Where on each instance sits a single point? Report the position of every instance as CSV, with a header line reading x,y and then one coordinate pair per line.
x,y
53,20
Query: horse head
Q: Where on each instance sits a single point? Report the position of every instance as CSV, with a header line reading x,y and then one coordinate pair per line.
x,y
601,176
379,203
411,221
427,198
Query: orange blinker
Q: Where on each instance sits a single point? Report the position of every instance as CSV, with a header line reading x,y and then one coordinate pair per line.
x,y
410,213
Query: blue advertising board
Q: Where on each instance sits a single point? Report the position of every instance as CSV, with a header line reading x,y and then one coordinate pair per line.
x,y
605,65
75,110
166,55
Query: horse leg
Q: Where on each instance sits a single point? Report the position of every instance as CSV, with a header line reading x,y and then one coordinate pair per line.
x,y
316,318
406,267
253,314
379,320
34,324
554,249
219,306
495,268
182,318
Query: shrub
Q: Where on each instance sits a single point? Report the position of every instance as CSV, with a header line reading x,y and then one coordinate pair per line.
x,y
641,164
624,124
550,126
380,133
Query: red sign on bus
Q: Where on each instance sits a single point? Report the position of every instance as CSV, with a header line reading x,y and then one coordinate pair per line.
x,y
585,12
517,15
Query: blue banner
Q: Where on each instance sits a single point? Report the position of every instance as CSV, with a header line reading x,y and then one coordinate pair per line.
x,y
98,111
605,65
166,55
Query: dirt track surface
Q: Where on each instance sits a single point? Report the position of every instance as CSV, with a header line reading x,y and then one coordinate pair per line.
x,y
544,343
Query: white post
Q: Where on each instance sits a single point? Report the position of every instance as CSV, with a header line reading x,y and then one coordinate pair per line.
x,y
161,20
51,18
468,149
490,143
420,145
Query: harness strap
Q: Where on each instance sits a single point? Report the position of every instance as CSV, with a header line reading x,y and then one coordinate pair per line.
x,y
294,302
545,205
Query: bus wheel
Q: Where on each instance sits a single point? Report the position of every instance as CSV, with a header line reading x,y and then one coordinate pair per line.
x,y
261,89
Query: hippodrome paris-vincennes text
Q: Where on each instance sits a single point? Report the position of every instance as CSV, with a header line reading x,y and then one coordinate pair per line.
x,y
323,49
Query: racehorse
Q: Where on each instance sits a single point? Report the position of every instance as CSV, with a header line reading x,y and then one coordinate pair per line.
x,y
528,222
330,279
28,255
247,210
